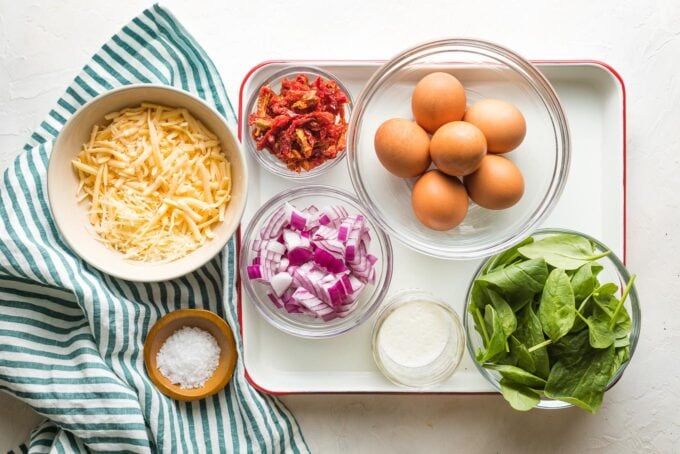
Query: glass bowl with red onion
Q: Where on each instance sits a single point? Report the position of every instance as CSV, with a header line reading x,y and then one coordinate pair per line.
x,y
313,264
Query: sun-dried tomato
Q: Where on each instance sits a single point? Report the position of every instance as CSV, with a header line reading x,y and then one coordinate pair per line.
x,y
304,125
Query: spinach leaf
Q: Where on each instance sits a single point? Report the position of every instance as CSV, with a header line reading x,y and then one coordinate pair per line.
x,y
619,305
585,308
525,360
518,306
504,312
520,397
599,333
579,325
606,289
584,281
529,333
570,348
478,301
621,356
582,382
478,296
557,309
508,360
622,342
605,308
518,375
565,251
507,257
480,324
518,282
495,349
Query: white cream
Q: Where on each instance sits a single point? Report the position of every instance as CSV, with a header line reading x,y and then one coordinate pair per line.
x,y
417,342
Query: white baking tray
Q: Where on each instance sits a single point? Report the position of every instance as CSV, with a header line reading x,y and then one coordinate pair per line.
x,y
593,202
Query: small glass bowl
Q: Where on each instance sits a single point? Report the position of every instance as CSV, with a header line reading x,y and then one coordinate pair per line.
x,y
614,271
267,159
487,71
303,325
433,372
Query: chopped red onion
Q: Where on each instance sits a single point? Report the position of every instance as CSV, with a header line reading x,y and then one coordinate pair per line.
x,y
274,299
300,256
254,272
280,283
314,261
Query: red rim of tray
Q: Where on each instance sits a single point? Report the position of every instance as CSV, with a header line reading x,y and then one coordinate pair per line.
x,y
257,67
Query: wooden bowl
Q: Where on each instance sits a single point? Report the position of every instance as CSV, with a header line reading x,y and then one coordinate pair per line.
x,y
199,318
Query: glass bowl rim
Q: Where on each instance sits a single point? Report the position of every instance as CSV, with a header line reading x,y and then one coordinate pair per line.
x,y
633,298
280,323
553,107
250,143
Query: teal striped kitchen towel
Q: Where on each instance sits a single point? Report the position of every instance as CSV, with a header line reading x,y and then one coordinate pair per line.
x,y
71,337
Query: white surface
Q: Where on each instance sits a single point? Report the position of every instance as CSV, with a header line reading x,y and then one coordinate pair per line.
x,y
43,44
592,99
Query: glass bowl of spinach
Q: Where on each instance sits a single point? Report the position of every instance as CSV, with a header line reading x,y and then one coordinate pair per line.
x,y
553,321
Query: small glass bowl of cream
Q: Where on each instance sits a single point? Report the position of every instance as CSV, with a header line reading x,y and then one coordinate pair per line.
x,y
418,339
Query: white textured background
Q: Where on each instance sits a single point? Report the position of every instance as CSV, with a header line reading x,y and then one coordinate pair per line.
x,y
43,45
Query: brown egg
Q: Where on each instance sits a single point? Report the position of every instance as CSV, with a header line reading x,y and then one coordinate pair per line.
x,y
497,184
502,123
439,200
402,147
437,99
457,148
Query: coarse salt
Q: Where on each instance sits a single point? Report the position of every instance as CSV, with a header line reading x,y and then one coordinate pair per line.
x,y
188,357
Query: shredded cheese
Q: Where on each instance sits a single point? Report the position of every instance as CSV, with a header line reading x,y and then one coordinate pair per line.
x,y
156,181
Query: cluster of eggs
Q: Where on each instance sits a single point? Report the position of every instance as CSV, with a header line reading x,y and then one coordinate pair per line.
x,y
465,143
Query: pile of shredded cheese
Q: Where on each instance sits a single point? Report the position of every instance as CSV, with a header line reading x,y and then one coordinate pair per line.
x,y
156,180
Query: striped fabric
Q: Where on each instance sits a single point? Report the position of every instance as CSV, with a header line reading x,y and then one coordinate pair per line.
x,y
71,337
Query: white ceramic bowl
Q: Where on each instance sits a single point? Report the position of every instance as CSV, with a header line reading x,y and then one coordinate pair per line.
x,y
71,216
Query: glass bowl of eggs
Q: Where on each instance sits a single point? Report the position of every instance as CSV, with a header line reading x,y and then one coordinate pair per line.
x,y
458,148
